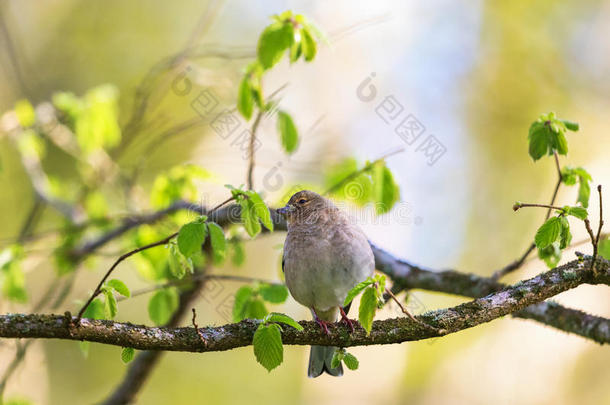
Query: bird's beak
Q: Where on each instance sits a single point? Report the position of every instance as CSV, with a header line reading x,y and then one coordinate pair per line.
x,y
286,211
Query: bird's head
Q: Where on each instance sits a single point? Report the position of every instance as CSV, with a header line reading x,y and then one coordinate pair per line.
x,y
305,206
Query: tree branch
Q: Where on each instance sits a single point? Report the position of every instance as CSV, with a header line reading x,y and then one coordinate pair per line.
x,y
481,310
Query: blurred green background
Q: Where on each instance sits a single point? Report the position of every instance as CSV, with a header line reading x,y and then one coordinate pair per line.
x,y
475,74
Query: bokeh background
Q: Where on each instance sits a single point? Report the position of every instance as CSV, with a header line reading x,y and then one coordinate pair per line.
x,y
475,74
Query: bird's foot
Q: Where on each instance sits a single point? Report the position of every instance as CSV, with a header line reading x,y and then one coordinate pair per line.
x,y
323,324
346,320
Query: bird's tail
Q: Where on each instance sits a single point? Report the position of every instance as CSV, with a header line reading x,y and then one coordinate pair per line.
x,y
320,358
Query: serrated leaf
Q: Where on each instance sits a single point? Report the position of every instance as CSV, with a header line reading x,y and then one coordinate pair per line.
x,y
245,99
119,287
551,255
277,317
578,212
289,135
548,232
218,241
368,307
351,361
357,290
261,210
95,310
127,354
190,238
538,140
162,305
274,40
249,217
274,293
110,304
268,347
240,304
308,44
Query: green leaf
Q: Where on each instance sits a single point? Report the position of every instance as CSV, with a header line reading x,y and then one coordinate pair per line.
x,y
245,99
548,232
242,300
18,401
190,238
12,280
351,361
604,249
578,212
261,210
550,254
386,189
337,358
274,293
308,44
572,126
584,192
249,217
268,347
256,309
277,317
357,290
95,310
566,236
368,307
162,305
288,132
218,241
178,264
274,40
25,113
127,354
110,305
538,140
295,51
119,287
239,255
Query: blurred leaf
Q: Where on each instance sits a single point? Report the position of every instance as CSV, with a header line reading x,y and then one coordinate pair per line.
x,y
386,190
95,310
178,264
274,40
578,212
337,358
25,113
96,205
295,51
282,318
572,126
308,44
359,189
12,280
30,144
566,236
162,305
177,184
242,298
570,176
190,238
268,347
245,99
548,233
604,248
368,307
288,132
239,255
127,354
551,255
218,241
110,304
274,293
18,401
119,287
256,309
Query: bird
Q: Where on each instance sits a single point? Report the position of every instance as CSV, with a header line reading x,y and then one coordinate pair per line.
x,y
325,256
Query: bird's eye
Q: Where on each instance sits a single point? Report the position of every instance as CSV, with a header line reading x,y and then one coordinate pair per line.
x,y
302,201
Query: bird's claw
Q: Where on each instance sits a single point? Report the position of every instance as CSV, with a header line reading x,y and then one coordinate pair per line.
x,y
323,326
346,320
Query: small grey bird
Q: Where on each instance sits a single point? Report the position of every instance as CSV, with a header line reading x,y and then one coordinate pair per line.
x,y
325,256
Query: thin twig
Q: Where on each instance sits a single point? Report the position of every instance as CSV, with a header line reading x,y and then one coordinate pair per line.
x,y
517,206
407,313
257,120
595,238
